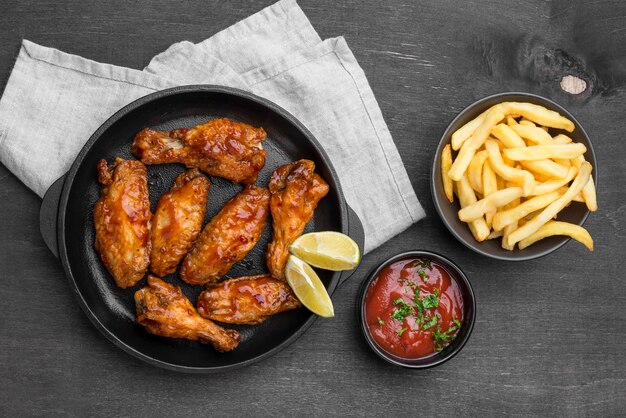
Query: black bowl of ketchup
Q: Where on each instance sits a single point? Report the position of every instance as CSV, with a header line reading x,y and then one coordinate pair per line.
x,y
417,309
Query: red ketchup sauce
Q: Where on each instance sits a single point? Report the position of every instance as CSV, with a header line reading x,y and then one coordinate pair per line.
x,y
413,308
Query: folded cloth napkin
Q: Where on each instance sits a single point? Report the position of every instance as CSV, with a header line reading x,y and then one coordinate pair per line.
x,y
54,101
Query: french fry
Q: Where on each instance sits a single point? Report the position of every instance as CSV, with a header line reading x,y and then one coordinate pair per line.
x,y
578,198
465,132
508,136
494,235
552,228
526,122
446,162
519,177
512,227
562,139
552,185
534,134
475,171
563,162
541,152
490,185
546,168
555,207
508,216
500,182
489,204
469,147
467,197
589,194
540,115
510,120
589,191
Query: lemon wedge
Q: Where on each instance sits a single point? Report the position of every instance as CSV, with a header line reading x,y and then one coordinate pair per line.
x,y
308,287
328,250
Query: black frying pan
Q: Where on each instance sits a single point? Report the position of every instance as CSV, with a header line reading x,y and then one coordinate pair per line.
x,y
67,222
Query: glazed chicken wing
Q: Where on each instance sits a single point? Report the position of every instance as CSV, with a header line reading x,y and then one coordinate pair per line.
x,y
122,220
228,237
246,300
178,221
164,311
295,191
220,148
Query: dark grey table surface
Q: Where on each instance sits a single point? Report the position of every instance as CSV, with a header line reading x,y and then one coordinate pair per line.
x,y
550,337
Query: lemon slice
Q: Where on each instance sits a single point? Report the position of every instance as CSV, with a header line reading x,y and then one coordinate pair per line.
x,y
308,287
327,250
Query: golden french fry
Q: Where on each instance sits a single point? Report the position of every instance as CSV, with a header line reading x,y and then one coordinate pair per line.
x,y
533,134
489,204
494,235
465,132
578,198
541,152
519,177
551,228
552,185
589,191
546,168
508,136
526,122
469,147
467,197
500,182
490,185
511,227
563,162
540,115
446,162
555,207
589,194
508,216
545,128
510,120
475,171
562,139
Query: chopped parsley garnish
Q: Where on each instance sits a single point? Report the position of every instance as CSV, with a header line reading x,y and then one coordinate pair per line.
x,y
430,322
380,321
403,311
440,338
419,304
423,275
422,262
431,301
401,331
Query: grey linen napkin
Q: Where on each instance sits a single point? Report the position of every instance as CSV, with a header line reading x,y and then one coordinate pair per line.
x,y
54,101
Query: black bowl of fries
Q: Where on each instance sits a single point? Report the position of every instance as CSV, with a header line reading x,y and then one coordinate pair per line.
x,y
514,177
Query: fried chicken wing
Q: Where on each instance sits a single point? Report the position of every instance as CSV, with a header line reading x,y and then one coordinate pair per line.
x,y
246,300
295,191
122,220
228,237
178,221
220,148
164,311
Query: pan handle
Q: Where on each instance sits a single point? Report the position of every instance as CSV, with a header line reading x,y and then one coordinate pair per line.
x,y
48,214
356,232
